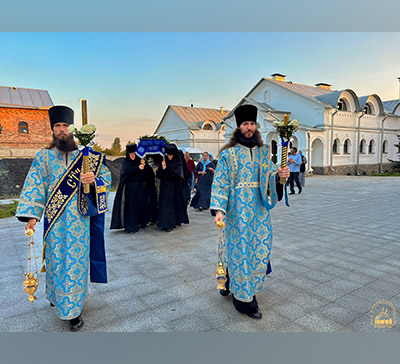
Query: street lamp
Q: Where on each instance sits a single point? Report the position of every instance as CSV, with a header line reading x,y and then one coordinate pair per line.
x,y
399,86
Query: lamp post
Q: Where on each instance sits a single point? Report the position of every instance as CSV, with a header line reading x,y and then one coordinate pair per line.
x,y
399,86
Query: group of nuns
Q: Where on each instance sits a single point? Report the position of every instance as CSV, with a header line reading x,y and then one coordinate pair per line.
x,y
142,198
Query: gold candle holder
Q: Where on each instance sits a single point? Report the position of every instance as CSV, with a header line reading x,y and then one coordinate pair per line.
x,y
31,282
85,169
284,149
85,160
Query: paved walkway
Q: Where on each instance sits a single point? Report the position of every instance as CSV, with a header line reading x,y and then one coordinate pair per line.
x,y
342,256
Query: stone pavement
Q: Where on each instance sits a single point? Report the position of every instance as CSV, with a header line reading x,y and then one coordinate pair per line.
x,y
336,252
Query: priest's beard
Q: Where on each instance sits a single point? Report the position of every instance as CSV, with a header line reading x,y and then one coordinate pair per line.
x,y
239,138
251,142
65,144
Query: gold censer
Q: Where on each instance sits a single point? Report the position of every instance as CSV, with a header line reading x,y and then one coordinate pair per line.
x,y
220,274
31,282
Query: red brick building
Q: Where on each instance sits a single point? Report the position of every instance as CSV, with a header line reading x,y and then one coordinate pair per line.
x,y
24,121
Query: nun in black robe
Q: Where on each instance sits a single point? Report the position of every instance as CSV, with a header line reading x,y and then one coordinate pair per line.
x,y
131,203
186,175
171,205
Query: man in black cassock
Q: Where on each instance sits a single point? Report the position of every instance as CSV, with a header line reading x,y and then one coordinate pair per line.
x,y
171,205
131,203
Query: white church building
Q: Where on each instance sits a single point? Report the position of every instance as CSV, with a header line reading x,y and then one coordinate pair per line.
x,y
194,127
339,132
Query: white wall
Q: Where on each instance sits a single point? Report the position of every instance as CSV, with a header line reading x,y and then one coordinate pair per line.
x,y
306,111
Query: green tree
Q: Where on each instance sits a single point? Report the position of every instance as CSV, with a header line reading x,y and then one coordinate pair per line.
x,y
116,146
98,148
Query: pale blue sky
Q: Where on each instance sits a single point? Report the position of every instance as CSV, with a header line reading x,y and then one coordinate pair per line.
x,y
129,79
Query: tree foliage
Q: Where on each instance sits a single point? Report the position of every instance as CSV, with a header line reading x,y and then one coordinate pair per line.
x,y
98,148
115,148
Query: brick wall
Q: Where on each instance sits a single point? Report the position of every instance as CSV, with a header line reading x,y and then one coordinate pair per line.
x,y
14,143
14,170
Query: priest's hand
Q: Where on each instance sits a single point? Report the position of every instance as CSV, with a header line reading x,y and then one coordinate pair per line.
x,y
87,177
31,224
219,216
284,172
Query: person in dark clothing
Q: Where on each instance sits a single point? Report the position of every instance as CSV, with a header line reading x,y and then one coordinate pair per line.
x,y
151,191
131,203
186,176
215,161
190,180
171,204
205,170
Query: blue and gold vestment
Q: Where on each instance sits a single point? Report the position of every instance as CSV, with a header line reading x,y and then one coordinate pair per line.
x,y
67,241
244,189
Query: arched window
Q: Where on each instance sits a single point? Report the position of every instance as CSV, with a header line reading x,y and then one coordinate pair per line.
x,y
369,109
274,151
343,105
371,147
336,146
346,146
363,149
23,128
385,146
266,96
207,127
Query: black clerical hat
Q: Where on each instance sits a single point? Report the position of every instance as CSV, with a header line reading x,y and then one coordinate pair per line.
x,y
131,148
245,113
61,114
170,149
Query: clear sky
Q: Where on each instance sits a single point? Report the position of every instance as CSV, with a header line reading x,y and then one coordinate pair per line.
x,y
129,79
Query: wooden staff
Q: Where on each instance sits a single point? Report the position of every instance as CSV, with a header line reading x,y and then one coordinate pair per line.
x,y
85,161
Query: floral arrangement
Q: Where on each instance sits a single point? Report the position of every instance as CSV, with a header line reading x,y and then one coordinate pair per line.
x,y
286,130
85,135
154,137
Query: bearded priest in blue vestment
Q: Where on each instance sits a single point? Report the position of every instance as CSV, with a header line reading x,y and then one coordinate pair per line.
x,y
245,188
53,189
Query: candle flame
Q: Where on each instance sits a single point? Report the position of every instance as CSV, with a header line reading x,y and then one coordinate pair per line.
x,y
286,119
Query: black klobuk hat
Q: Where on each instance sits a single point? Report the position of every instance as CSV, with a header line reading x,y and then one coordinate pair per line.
x,y
61,114
245,113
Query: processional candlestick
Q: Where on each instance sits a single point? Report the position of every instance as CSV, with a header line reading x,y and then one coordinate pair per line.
x,y
285,130
85,160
